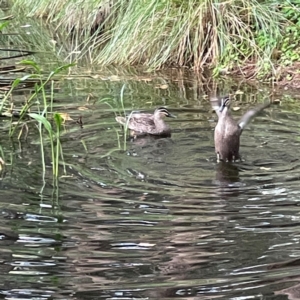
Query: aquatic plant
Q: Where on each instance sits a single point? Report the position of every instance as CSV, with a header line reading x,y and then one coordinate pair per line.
x,y
125,128
42,105
54,138
2,160
39,88
117,105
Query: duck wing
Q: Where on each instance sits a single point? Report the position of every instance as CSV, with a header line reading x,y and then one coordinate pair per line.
x,y
250,114
141,122
134,118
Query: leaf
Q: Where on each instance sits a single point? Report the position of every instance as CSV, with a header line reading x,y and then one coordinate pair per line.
x,y
3,25
31,63
65,117
106,99
15,83
41,119
58,120
62,68
29,76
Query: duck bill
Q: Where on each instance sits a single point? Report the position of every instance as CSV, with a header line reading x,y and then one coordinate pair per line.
x,y
171,116
221,108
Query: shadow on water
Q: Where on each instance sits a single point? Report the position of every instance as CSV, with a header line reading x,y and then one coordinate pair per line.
x,y
153,218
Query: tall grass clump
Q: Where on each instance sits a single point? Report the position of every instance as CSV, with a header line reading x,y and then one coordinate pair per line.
x,y
221,35
217,34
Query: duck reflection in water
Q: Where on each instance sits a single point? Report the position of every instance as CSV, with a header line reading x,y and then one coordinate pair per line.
x,y
227,174
227,180
149,140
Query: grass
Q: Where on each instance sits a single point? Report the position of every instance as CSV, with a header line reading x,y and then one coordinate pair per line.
x,y
220,35
248,37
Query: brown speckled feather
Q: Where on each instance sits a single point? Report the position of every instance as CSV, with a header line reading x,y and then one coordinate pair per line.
x,y
144,123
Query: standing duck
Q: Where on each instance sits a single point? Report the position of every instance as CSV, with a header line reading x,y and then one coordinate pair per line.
x,y
228,131
142,123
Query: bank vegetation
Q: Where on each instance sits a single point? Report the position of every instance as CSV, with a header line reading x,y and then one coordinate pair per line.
x,y
252,38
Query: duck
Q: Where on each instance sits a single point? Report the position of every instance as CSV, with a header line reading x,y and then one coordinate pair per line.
x,y
228,131
147,124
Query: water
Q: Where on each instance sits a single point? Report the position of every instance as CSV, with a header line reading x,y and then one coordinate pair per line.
x,y
159,219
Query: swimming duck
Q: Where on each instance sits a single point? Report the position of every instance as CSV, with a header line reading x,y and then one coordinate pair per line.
x,y
228,131
144,123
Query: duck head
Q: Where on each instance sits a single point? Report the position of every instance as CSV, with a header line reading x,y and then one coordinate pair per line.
x,y
225,103
163,112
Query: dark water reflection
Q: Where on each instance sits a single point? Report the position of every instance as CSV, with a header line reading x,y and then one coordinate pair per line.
x,y
159,219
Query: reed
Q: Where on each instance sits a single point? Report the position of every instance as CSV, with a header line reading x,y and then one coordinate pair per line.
x,y
41,103
39,88
117,105
196,33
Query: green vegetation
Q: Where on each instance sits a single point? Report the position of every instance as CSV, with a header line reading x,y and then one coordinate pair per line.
x,y
54,136
251,36
117,105
41,103
289,44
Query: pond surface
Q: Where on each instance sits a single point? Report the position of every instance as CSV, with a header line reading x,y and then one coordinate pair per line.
x,y
153,218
